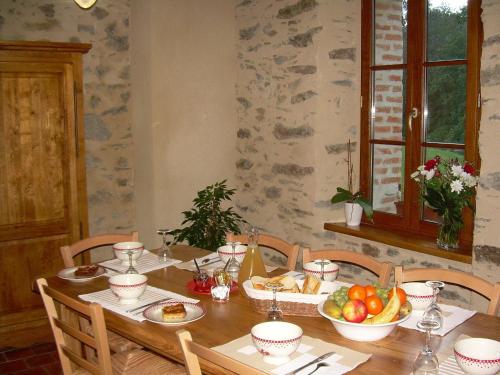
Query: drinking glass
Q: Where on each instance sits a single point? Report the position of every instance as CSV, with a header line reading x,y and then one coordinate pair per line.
x,y
426,362
165,252
131,268
433,312
274,312
233,266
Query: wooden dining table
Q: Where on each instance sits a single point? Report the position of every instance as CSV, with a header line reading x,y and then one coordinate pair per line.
x,y
225,322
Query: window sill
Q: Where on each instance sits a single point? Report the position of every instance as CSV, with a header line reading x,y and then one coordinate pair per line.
x,y
402,240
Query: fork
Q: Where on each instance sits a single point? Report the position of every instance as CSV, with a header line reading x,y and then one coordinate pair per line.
x,y
141,308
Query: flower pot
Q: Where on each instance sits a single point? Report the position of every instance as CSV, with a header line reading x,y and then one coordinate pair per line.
x,y
353,213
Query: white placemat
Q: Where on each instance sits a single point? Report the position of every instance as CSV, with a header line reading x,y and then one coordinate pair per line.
x,y
450,367
147,262
209,263
109,301
452,317
343,360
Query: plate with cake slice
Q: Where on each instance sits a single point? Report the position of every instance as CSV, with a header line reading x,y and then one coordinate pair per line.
x,y
174,312
81,273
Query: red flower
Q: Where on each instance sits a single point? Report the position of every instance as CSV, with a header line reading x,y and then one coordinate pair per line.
x,y
430,164
468,168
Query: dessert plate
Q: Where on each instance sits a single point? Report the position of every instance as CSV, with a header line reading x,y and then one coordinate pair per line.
x,y
69,274
193,313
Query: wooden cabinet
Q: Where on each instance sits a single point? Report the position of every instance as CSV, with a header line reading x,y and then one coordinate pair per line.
x,y
42,171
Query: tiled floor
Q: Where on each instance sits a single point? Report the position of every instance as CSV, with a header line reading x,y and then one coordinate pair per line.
x,y
40,359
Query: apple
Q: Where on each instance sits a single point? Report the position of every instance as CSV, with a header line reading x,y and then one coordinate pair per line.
x,y
355,311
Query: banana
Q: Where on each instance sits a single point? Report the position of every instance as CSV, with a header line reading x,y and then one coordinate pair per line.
x,y
388,313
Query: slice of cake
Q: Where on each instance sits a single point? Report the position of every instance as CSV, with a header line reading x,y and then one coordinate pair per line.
x,y
86,271
173,312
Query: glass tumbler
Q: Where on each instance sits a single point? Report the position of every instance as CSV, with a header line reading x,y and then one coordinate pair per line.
x,y
222,285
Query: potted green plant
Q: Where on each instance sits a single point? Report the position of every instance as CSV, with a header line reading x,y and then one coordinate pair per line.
x,y
208,221
355,203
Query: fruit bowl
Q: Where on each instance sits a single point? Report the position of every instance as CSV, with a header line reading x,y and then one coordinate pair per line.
x,y
478,356
419,295
359,331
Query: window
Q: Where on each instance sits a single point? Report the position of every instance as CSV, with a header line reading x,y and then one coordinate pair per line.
x,y
420,98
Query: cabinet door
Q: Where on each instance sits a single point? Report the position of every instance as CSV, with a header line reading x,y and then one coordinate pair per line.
x,y
38,192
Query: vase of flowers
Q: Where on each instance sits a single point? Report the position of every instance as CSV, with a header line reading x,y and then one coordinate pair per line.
x,y
447,186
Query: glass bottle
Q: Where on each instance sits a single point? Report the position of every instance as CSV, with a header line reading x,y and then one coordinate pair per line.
x,y
252,264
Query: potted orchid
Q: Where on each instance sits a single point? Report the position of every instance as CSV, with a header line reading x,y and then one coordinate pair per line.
x,y
355,203
447,186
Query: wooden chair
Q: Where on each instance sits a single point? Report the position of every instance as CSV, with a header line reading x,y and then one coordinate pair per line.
x,y
70,251
133,362
381,269
466,280
117,343
192,351
291,251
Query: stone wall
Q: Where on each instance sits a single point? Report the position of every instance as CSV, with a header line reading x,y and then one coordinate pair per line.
x,y
298,91
108,139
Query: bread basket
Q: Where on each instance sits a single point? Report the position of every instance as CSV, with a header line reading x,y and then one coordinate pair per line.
x,y
290,303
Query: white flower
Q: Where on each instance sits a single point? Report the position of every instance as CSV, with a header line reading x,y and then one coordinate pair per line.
x,y
428,174
457,170
456,186
469,181
415,174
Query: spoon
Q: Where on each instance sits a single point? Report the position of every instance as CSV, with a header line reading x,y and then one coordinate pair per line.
x,y
196,264
318,366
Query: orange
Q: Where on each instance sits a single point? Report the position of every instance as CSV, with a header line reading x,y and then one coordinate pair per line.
x,y
401,294
374,305
357,292
370,290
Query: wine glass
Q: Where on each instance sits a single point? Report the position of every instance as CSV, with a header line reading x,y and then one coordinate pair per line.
x,y
274,312
433,312
165,252
322,263
426,362
233,266
131,268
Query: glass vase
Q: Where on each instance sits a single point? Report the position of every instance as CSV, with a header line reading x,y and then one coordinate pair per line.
x,y
449,230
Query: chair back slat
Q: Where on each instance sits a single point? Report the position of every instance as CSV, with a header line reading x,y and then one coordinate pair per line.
x,y
382,269
291,251
193,351
97,339
466,280
70,251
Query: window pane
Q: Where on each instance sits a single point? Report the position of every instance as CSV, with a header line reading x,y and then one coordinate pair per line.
x,y
445,104
389,32
388,104
446,29
445,154
387,177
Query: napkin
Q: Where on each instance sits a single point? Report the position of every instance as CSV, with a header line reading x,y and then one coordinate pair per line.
x,y
147,262
452,317
209,263
109,301
344,359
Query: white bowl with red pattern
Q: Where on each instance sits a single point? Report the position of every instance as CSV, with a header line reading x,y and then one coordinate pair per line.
x,y
225,252
276,341
478,356
330,269
128,287
121,250
419,295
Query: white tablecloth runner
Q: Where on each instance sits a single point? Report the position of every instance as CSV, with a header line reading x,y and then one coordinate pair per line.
x,y
452,317
342,361
146,263
109,301
209,263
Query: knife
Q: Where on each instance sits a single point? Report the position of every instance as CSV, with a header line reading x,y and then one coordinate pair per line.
x,y
148,304
319,359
